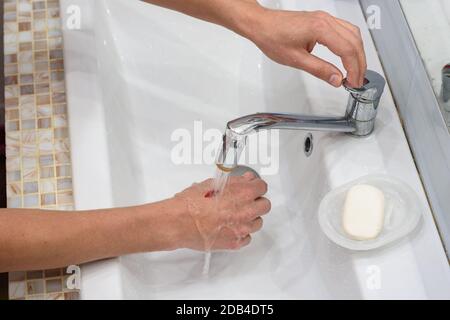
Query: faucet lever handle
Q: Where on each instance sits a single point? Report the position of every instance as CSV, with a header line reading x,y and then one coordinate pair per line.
x,y
371,90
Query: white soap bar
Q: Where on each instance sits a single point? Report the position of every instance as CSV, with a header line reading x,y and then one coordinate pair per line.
x,y
363,213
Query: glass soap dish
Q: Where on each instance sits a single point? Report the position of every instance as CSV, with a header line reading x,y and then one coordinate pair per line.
x,y
403,211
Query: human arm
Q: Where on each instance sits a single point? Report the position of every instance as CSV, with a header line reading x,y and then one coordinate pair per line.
x,y
32,239
287,37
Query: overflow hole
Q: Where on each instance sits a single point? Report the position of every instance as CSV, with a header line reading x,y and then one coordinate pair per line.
x,y
308,144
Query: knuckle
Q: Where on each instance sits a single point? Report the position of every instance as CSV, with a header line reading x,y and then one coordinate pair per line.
x,y
248,213
356,29
349,50
247,192
321,14
320,24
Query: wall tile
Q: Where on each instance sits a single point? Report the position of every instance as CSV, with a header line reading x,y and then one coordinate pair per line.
x,y
39,171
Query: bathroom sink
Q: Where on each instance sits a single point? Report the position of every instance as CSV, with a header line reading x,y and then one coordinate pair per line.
x,y
138,73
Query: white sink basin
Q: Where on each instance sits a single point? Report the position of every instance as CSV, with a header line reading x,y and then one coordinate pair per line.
x,y
137,73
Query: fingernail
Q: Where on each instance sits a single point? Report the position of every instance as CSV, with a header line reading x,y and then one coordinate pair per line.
x,y
335,80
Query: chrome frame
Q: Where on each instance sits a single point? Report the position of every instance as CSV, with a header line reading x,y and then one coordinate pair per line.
x,y
417,104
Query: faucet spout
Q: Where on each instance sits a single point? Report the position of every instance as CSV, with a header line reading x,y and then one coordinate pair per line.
x,y
266,121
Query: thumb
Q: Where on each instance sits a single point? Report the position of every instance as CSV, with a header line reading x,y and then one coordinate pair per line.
x,y
321,69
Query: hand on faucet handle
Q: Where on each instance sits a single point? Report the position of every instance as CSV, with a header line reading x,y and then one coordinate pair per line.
x,y
289,37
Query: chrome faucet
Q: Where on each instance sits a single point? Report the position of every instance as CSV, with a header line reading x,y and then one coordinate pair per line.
x,y
359,118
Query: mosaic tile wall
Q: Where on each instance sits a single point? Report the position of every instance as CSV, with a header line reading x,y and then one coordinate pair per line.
x,y
37,141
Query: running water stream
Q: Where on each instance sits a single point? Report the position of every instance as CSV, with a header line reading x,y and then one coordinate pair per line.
x,y
227,159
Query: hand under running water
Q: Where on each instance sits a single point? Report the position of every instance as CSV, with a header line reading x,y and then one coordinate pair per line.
x,y
287,37
224,221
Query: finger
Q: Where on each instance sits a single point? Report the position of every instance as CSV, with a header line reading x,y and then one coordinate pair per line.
x,y
320,69
255,225
254,210
342,47
256,188
248,191
355,34
240,243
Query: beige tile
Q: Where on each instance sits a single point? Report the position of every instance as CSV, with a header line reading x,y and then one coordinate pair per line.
x,y
14,175
10,37
15,202
55,296
64,184
44,111
10,16
14,189
42,77
13,164
55,43
65,197
10,27
39,25
47,172
29,137
25,46
40,45
12,126
35,287
25,57
17,289
41,66
62,158
53,13
11,103
11,69
39,5
12,114
31,201
60,133
28,112
27,101
42,99
11,80
28,124
10,58
30,174
29,162
39,14
40,35
48,199
25,67
59,121
47,185
59,109
24,26
62,145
